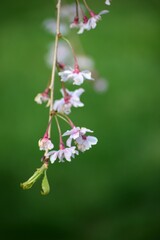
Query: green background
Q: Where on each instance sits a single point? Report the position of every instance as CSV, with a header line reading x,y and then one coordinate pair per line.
x,y
112,191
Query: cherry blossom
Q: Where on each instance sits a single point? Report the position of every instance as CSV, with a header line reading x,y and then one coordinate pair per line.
x,y
42,97
85,142
69,99
92,22
79,135
76,75
61,154
45,144
83,25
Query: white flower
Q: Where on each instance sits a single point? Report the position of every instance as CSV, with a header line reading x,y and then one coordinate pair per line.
x,y
107,2
77,76
41,98
62,107
66,153
83,25
69,99
78,134
92,22
45,144
86,142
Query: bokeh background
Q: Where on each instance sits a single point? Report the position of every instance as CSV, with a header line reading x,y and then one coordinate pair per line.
x,y
112,191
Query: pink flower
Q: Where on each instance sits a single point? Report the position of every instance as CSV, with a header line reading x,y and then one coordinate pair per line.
x,y
64,153
92,22
79,135
76,75
42,97
69,99
45,144
85,142
75,23
83,25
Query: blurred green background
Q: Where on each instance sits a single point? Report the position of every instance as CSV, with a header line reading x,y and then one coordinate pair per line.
x,y
112,191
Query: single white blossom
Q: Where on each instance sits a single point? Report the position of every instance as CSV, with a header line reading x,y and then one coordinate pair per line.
x,y
83,26
41,98
62,107
74,74
85,142
45,144
92,22
79,135
108,2
66,153
69,99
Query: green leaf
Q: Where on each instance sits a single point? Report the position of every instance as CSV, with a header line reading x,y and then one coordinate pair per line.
x,y
29,183
45,184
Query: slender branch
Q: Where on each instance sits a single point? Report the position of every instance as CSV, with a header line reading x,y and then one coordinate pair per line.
x,y
69,120
73,52
59,131
86,5
77,5
64,119
51,87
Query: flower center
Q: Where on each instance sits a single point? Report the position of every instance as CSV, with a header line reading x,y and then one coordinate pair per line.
x,y
85,19
84,137
67,98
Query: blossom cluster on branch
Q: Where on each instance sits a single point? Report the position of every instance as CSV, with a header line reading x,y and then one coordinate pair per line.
x,y
75,139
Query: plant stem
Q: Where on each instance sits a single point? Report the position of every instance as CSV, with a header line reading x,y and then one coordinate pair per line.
x,y
73,52
86,5
51,87
59,131
77,5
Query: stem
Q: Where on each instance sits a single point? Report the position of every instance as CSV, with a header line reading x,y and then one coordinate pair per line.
x,y
86,5
59,131
73,52
64,89
64,119
69,120
48,127
77,5
51,87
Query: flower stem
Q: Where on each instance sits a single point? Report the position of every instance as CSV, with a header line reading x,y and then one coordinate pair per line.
x,y
77,5
59,131
73,52
86,5
51,87
64,119
69,120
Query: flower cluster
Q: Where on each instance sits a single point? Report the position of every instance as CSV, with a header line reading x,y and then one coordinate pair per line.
x,y
76,139
84,22
99,84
